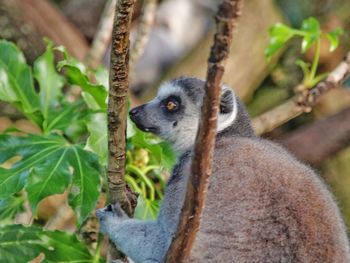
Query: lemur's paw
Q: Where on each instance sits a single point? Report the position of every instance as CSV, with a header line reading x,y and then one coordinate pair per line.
x,y
110,215
118,211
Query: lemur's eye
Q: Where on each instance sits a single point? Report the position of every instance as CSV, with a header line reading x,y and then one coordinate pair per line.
x,y
171,105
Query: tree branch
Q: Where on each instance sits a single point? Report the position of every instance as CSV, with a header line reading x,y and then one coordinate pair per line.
x,y
118,106
315,143
180,248
103,35
304,103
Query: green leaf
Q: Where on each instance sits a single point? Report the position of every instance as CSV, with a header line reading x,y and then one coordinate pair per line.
x,y
43,169
312,29
102,76
281,30
77,74
33,150
130,128
307,42
279,35
16,81
333,38
146,209
311,26
97,141
49,80
86,183
168,155
10,207
161,151
51,177
22,244
66,115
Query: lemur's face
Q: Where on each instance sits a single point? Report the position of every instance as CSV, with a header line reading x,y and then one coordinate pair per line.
x,y
174,113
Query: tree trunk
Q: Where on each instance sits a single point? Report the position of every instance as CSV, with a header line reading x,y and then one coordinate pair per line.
x,y
28,22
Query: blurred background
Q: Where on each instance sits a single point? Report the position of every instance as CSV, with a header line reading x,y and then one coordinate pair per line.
x,y
178,44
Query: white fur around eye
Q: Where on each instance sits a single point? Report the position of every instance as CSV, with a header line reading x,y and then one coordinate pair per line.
x,y
226,120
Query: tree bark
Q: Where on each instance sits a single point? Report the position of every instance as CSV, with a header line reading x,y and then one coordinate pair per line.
x,y
118,105
180,248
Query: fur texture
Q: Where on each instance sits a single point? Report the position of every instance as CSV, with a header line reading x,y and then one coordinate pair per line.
x,y
262,204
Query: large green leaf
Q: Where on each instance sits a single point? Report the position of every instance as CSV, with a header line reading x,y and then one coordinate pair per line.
x,y
22,244
52,176
43,169
85,187
34,150
49,80
16,81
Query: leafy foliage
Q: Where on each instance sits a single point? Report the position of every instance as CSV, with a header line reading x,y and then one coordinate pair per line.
x,y
69,155
16,81
43,169
311,35
29,242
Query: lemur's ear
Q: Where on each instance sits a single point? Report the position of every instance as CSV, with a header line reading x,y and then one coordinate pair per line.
x,y
227,100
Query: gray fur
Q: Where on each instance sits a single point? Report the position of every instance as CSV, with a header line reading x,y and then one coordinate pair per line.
x,y
262,204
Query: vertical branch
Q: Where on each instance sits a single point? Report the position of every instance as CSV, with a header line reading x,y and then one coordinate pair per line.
x,y
117,105
188,226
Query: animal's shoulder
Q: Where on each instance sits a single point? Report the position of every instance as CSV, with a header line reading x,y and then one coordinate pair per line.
x,y
253,151
260,159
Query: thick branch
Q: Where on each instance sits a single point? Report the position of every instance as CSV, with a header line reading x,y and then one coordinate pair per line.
x,y
189,221
297,105
117,105
318,141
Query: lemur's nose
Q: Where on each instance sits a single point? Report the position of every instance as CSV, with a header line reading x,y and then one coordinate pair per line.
x,y
134,111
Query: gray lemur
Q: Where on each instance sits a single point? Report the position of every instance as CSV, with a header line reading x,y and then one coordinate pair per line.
x,y
262,204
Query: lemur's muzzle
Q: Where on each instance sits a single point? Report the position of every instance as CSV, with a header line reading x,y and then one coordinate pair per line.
x,y
138,116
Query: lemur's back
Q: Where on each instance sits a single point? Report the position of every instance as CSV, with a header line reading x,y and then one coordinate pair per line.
x,y
267,208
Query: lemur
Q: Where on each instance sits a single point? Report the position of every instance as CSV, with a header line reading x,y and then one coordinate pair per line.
x,y
262,204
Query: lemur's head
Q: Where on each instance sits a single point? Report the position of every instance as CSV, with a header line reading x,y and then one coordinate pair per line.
x,y
174,113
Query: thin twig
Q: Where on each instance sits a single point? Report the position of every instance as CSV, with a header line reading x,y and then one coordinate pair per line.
x,y
117,107
180,248
145,25
299,104
103,35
